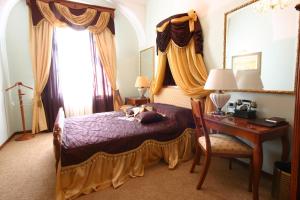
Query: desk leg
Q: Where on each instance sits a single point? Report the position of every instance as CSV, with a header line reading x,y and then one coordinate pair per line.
x,y
285,147
257,164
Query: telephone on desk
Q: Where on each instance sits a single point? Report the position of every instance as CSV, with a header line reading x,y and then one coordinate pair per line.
x,y
244,108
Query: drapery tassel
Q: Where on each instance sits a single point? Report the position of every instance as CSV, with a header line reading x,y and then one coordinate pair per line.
x,y
37,99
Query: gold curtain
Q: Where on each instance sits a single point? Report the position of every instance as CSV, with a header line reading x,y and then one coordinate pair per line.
x,y
78,20
81,20
103,170
41,46
187,67
105,43
157,83
101,23
48,14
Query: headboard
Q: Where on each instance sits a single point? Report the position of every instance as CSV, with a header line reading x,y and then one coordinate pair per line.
x,y
173,95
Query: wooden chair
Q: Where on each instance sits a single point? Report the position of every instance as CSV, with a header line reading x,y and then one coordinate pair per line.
x,y
216,145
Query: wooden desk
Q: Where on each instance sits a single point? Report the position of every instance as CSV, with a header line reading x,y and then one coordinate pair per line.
x,y
253,133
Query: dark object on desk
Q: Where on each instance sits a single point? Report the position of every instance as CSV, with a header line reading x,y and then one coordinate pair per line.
x,y
263,122
275,120
281,180
247,114
245,109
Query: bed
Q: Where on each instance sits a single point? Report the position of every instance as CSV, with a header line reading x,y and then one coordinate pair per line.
x,y
105,149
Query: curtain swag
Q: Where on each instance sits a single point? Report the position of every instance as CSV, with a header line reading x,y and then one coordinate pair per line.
x,y
45,15
180,43
180,29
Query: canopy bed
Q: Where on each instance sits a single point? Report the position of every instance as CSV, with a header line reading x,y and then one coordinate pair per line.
x,y
105,149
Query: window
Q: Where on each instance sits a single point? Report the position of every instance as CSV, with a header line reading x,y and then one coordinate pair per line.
x,y
76,70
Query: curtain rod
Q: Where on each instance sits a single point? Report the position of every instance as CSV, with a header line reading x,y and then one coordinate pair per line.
x,y
77,5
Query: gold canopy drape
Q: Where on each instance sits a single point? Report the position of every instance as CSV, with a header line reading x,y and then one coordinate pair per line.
x,y
41,46
187,66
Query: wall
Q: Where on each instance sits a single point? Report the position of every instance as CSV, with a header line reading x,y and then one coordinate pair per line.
x,y
20,69
211,13
4,132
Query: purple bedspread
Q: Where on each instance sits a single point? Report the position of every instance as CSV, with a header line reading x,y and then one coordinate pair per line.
x,y
112,132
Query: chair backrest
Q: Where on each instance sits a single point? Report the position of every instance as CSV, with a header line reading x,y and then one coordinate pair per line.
x,y
197,110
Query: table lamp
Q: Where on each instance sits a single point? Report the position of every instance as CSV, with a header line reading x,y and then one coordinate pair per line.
x,y
220,79
142,83
249,80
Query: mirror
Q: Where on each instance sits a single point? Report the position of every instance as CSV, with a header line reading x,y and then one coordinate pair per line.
x,y
263,43
147,62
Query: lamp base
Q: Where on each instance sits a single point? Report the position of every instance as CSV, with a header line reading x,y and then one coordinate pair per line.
x,y
219,112
219,100
142,92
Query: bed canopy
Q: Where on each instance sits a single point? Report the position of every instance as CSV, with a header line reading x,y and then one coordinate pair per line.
x,y
48,14
179,43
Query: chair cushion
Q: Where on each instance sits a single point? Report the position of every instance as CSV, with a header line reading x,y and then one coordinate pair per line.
x,y
225,144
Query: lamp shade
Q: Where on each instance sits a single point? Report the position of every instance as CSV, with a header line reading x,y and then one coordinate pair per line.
x,y
249,79
142,81
220,79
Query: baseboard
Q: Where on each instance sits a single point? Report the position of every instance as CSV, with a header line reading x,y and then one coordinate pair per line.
x,y
13,135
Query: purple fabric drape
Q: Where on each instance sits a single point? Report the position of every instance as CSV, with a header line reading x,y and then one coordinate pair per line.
x,y
51,96
168,79
180,34
103,98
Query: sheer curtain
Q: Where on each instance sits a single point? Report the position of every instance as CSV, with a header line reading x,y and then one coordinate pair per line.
x,y
103,98
75,71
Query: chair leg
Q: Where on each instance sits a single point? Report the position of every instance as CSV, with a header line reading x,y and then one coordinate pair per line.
x,y
196,158
205,170
230,163
250,175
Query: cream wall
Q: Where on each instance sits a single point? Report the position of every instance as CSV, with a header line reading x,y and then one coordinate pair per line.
x,y
211,13
4,132
19,64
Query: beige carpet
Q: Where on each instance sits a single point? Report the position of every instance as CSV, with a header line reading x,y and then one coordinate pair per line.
x,y
27,173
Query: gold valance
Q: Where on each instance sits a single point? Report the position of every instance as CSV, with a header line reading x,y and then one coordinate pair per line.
x,y
60,15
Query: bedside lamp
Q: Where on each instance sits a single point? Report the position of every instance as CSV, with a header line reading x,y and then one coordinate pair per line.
x,y
249,79
220,79
142,83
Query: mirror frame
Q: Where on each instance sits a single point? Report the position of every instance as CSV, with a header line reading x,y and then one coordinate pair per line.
x,y
224,54
153,61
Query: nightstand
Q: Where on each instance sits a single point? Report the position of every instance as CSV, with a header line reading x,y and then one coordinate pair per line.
x,y
136,101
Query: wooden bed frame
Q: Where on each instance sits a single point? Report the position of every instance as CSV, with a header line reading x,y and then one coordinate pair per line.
x,y
57,130
169,95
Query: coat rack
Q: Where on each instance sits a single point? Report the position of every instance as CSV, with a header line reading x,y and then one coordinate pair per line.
x,y
25,135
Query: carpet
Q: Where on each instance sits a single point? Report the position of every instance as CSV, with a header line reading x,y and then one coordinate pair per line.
x,y
27,173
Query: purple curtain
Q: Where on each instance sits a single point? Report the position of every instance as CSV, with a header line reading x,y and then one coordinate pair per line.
x,y
103,98
52,97
168,79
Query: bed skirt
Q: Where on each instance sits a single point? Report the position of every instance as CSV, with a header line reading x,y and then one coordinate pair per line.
x,y
104,170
